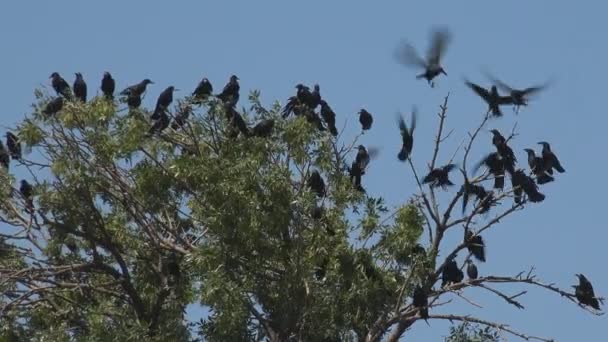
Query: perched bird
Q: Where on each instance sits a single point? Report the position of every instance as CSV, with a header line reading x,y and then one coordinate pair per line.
x,y
522,182
407,136
163,102
329,117
355,174
407,55
292,106
492,98
230,93
451,274
366,119
53,106
537,166
420,301
14,145
584,292
316,183
505,152
496,167
108,85
263,128
203,89
61,86
161,123
27,191
439,177
518,97
550,159
475,245
80,88
362,159
304,95
471,270
5,158
137,89
237,122
134,101
314,119
469,189
315,97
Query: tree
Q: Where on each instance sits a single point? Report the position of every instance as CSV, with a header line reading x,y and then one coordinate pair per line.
x,y
128,224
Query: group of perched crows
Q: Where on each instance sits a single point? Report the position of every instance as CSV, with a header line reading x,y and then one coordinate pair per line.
x,y
498,163
305,103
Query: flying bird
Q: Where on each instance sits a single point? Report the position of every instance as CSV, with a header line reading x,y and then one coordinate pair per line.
x,y
329,117
14,145
366,119
61,86
406,55
518,97
550,159
491,97
108,85
80,88
407,136
537,166
439,177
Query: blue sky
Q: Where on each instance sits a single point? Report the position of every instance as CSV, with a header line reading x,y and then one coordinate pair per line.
x,y
347,48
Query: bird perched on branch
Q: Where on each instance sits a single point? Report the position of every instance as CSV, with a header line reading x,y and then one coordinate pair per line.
x,y
329,117
366,119
451,274
203,90
537,166
316,183
108,85
584,292
439,177
61,86
522,182
406,55
475,245
496,166
472,272
80,88
230,93
550,159
163,102
505,152
136,90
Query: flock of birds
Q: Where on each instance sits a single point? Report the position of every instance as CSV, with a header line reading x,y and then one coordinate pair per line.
x,y
305,103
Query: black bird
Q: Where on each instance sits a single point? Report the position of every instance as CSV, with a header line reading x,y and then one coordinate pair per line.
x,y
537,166
315,97
451,274
355,174
182,115
136,89
439,177
163,102
505,152
475,245
469,189
518,97
80,88
314,119
5,158
14,145
263,128
492,98
329,117
471,270
304,95
161,123
60,85
407,55
496,167
230,93
362,159
134,101
420,301
550,159
292,106
316,183
584,292
237,122
522,182
203,89
108,85
366,119
407,136
27,191
53,106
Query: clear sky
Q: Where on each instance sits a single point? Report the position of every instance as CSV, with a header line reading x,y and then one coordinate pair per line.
x,y
347,48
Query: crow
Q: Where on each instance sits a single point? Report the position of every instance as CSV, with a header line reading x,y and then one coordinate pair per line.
x,y
475,245
537,166
496,167
492,98
203,90
550,159
263,128
237,122
420,301
5,158
316,183
407,136
108,85
163,102
14,145
134,101
329,117
505,152
230,93
80,88
61,86
362,159
518,97
439,177
584,292
406,55
355,174
366,119
53,106
136,89
451,274
522,182
161,123
27,192
468,189
471,270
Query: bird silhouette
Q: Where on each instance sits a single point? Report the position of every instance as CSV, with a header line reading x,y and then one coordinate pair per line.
x,y
406,55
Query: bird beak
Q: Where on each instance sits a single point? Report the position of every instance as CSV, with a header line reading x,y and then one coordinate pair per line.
x,y
175,89
443,72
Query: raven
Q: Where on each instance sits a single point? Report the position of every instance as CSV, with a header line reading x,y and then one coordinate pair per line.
x,y
407,136
406,55
108,85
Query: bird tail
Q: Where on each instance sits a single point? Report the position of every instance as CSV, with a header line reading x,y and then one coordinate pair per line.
x,y
333,130
559,168
536,197
544,179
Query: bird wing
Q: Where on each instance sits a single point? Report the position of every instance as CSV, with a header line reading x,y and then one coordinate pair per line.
x,y
448,168
402,125
406,55
500,84
413,123
482,162
440,39
482,92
